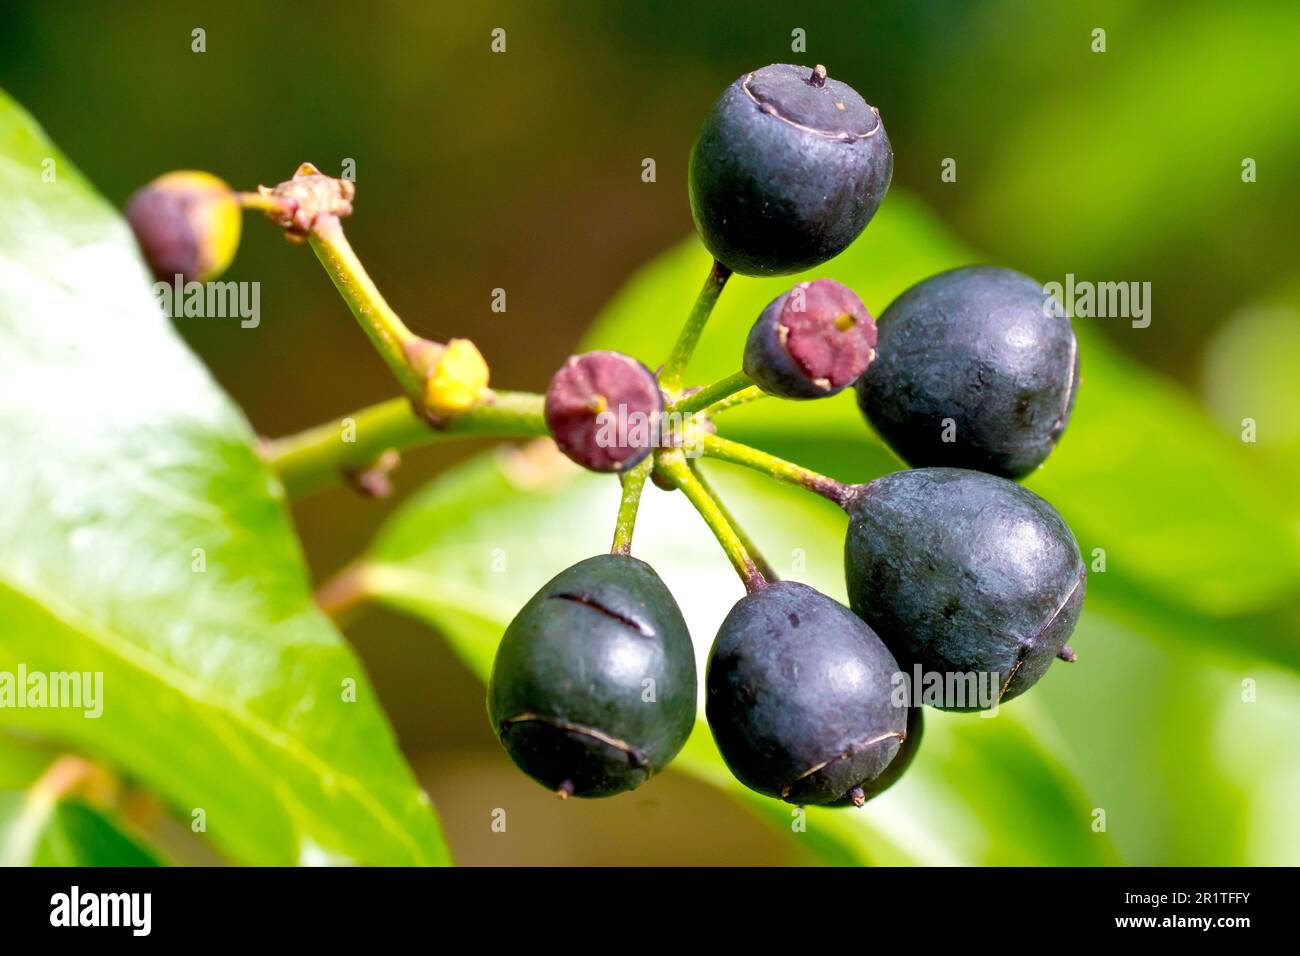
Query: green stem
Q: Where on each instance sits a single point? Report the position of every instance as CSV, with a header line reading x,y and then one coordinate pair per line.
x,y
344,592
633,483
743,397
387,332
672,465
257,202
675,367
778,468
712,394
764,568
321,456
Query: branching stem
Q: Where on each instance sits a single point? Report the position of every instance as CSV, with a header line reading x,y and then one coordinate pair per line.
x,y
633,483
689,337
764,568
711,394
672,465
779,468
743,397
387,332
257,202
323,455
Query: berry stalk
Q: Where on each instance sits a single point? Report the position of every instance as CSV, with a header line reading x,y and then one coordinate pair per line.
x,y
258,202
712,394
633,484
672,466
689,337
779,468
760,562
326,454
385,329
746,395
441,379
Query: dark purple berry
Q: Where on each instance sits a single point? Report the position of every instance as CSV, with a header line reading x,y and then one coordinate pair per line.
x,y
603,410
964,574
593,688
976,369
811,341
801,696
788,169
897,767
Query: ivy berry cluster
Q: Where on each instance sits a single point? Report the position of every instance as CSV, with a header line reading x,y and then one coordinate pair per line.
x,y
951,567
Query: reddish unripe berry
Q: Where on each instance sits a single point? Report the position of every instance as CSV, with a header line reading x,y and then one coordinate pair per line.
x,y
811,342
603,410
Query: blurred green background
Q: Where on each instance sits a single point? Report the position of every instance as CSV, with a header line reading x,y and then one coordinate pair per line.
x,y
522,171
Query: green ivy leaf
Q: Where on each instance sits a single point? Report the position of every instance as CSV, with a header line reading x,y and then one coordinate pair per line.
x,y
66,833
467,551
141,538
42,828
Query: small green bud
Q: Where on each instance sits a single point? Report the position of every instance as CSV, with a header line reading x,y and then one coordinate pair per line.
x,y
186,223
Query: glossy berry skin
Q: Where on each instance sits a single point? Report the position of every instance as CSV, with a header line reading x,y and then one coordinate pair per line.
x,y
568,692
787,170
187,223
898,766
799,696
810,342
978,347
603,410
960,571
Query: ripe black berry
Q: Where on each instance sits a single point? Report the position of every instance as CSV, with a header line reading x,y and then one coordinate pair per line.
x,y
593,687
811,342
799,696
964,573
603,410
897,767
973,371
187,224
788,169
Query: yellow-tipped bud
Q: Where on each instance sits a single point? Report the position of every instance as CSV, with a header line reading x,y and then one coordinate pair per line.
x,y
457,380
187,224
